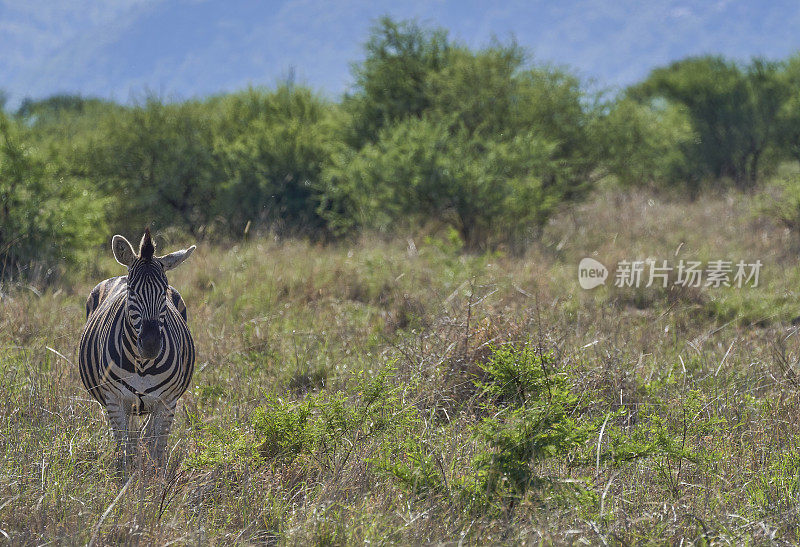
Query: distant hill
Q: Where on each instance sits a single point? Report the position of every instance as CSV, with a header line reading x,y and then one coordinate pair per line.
x,y
184,48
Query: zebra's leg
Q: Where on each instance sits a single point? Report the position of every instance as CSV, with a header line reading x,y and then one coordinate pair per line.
x,y
157,432
120,421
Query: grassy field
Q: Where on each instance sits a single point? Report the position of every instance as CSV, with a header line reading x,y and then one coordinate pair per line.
x,y
406,392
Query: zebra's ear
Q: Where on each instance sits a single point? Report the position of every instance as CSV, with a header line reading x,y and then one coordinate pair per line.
x,y
123,251
173,260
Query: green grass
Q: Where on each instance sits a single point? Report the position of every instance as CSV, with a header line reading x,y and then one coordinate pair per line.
x,y
392,393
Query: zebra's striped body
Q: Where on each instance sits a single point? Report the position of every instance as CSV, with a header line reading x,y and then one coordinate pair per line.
x,y
136,352
110,368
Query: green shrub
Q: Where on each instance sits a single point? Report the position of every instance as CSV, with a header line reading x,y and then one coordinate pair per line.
x,y
648,145
418,173
446,136
391,83
515,375
156,160
416,468
534,415
735,110
323,430
270,153
285,430
47,220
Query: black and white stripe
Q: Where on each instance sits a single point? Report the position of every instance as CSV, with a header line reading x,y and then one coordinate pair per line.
x,y
136,352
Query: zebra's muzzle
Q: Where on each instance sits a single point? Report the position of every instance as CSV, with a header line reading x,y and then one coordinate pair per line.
x,y
149,342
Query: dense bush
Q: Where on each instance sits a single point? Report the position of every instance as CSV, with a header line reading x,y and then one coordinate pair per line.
x,y
391,83
735,111
270,153
157,161
648,145
789,128
541,418
419,172
46,220
481,142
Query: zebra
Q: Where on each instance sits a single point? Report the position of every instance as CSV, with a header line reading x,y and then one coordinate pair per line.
x,y
136,353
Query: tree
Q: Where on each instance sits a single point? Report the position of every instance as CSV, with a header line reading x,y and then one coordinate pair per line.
x,y
480,141
46,220
494,95
157,161
790,109
480,93
419,172
390,84
271,156
733,110
648,144
768,92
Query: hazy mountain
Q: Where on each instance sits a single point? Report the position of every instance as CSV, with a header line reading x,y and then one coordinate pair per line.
x,y
182,48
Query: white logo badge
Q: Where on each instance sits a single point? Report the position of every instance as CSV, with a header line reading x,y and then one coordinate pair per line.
x,y
591,273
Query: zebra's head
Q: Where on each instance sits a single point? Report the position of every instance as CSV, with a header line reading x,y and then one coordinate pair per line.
x,y
146,303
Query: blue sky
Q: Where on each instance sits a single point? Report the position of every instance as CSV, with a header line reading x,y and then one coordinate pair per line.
x,y
122,49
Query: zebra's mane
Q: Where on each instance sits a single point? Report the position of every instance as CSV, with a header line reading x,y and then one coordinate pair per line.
x,y
146,247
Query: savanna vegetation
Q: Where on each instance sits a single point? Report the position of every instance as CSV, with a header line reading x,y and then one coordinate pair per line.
x,y
393,345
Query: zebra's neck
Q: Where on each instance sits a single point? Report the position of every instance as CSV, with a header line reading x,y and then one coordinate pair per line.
x,y
127,324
